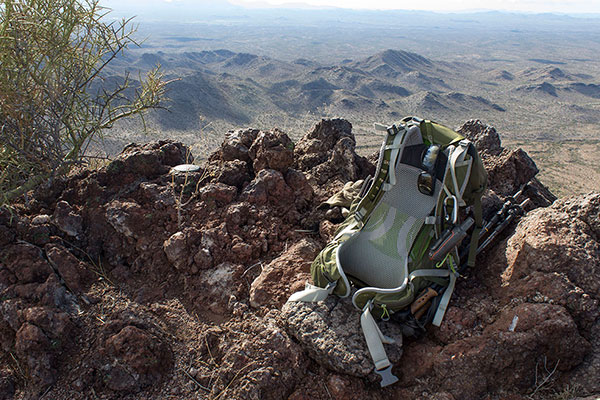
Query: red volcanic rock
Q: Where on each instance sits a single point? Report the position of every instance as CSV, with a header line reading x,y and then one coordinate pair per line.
x,y
147,160
327,154
509,171
176,250
67,219
76,274
218,192
136,359
483,136
125,291
39,342
236,144
272,150
284,275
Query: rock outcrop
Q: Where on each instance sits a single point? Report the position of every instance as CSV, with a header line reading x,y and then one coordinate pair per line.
x,y
327,332
136,281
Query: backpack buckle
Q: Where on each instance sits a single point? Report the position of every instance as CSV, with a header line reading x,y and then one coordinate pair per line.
x,y
387,378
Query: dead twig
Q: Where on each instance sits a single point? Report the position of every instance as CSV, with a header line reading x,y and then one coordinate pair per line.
x,y
212,359
20,370
546,380
252,266
233,380
327,390
312,232
194,380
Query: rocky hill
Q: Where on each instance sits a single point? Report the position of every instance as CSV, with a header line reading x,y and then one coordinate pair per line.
x,y
225,87
134,282
550,111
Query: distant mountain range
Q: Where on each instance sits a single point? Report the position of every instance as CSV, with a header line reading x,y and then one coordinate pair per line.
x,y
236,89
535,77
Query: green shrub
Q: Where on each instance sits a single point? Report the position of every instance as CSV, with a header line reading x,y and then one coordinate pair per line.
x,y
54,99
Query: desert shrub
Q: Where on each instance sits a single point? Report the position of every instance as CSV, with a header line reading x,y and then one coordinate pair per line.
x,y
55,99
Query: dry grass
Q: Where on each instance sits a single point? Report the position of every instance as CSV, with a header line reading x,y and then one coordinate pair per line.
x,y
569,392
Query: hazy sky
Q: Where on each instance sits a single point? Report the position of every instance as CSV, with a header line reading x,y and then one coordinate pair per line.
x,y
566,6
540,6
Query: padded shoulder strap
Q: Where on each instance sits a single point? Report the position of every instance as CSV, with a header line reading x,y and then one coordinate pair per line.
x,y
477,186
388,155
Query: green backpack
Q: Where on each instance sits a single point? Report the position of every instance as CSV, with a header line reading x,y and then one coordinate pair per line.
x,y
399,245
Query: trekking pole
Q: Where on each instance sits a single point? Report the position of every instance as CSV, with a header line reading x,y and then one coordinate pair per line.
x,y
501,219
429,298
500,214
513,212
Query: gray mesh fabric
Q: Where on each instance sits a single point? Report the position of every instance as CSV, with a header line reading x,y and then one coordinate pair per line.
x,y
377,254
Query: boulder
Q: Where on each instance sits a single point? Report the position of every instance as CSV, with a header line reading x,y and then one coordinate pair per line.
x,y
233,173
552,257
135,359
316,146
524,340
237,143
127,218
303,191
218,192
176,250
284,275
508,172
23,264
32,345
269,186
485,137
40,341
327,154
330,333
272,150
76,274
67,219
147,160
257,360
